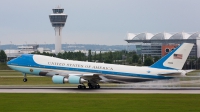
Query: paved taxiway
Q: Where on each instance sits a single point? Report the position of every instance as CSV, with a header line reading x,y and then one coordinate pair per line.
x,y
102,90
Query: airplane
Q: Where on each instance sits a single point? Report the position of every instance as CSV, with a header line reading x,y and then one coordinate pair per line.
x,y
80,72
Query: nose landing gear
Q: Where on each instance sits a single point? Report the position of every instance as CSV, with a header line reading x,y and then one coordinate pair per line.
x,y
24,79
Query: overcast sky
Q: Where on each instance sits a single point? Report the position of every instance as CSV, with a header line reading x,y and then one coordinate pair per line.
x,y
95,21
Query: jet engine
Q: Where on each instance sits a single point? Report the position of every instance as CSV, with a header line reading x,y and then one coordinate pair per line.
x,y
59,79
72,79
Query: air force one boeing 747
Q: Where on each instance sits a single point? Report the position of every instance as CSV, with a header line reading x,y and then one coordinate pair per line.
x,y
79,72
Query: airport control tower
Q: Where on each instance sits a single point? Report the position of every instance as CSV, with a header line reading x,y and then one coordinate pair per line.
x,y
58,19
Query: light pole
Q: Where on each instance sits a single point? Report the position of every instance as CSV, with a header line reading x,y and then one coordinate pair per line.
x,y
66,46
26,46
10,44
10,47
44,46
75,46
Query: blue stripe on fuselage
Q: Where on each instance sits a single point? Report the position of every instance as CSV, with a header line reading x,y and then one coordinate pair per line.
x,y
26,70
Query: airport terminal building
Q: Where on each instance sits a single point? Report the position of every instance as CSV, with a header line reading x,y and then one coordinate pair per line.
x,y
161,43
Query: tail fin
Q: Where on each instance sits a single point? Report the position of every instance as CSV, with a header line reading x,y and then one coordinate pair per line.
x,y
174,59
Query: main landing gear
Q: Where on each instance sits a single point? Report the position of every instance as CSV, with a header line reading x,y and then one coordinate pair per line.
x,y
97,86
25,79
81,87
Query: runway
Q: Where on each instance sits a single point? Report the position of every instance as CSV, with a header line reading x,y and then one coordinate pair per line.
x,y
102,90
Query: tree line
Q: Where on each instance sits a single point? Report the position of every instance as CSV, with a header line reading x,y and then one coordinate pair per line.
x,y
3,56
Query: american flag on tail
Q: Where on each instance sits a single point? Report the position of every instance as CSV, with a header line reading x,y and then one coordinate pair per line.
x,y
178,56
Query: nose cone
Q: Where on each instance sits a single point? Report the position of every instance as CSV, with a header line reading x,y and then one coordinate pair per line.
x,y
23,60
10,62
14,61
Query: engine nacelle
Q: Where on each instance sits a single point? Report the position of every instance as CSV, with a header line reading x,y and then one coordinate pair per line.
x,y
59,79
73,79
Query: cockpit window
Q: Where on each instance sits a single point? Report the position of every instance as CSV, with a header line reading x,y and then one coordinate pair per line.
x,y
20,56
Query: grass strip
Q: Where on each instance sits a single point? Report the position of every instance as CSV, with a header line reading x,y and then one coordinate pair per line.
x,y
99,102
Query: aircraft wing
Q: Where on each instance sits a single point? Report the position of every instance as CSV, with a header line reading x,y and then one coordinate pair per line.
x,y
65,73
92,77
178,73
187,71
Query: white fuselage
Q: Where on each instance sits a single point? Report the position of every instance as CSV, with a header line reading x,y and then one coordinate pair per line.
x,y
77,72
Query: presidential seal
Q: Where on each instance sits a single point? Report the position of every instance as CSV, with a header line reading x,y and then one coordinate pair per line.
x,y
31,70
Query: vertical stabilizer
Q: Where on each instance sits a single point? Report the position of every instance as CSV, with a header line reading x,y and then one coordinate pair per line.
x,y
174,59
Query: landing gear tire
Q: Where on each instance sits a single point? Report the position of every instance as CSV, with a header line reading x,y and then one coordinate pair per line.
x,y
94,87
89,84
81,87
91,87
25,80
97,86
